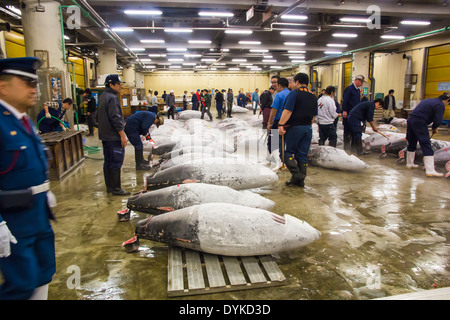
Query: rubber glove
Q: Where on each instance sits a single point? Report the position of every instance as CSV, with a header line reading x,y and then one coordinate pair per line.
x,y
6,238
48,115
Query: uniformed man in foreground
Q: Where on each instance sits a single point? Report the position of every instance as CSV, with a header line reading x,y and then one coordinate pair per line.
x,y
27,249
428,111
111,132
136,126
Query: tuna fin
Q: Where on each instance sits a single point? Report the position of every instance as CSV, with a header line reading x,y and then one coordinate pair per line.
x,y
131,245
189,181
167,209
124,215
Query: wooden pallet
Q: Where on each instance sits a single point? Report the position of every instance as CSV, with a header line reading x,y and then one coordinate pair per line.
x,y
67,151
192,273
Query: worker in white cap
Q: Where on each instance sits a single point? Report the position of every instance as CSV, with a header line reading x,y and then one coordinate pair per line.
x,y
170,101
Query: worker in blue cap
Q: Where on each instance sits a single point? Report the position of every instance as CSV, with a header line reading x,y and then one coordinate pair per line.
x,y
111,132
136,126
27,249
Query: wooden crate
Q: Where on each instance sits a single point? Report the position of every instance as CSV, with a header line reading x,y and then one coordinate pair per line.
x,y
193,272
67,151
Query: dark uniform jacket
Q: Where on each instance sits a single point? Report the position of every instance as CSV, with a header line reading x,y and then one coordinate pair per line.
x,y
363,111
266,99
23,164
91,104
351,97
431,110
109,116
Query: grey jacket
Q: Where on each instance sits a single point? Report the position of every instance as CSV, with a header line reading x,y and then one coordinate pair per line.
x,y
109,116
230,97
170,100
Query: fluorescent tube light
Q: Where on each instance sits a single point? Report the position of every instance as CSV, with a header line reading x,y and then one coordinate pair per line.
x,y
250,42
294,17
415,22
345,35
152,41
233,69
122,29
296,57
269,61
391,36
259,50
296,51
297,61
176,49
175,60
238,31
332,52
178,30
200,41
239,60
337,45
294,43
293,33
351,19
215,14
191,55
137,49
143,12
208,60
156,55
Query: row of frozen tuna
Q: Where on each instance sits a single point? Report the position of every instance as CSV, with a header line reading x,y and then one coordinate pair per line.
x,y
199,199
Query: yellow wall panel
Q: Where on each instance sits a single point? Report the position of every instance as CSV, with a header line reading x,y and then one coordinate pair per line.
x,y
439,50
15,37
441,74
440,60
14,50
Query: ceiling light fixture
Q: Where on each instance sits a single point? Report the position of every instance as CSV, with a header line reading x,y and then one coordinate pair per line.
x,y
152,41
175,60
156,55
176,49
415,22
250,42
215,14
345,35
234,69
269,61
137,49
332,52
200,41
239,60
294,43
391,36
143,12
294,17
293,33
296,51
352,19
122,29
191,55
259,50
337,45
238,31
149,67
178,30
296,57
208,60
297,61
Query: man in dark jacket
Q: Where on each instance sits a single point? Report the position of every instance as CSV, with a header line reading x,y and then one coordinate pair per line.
x,y
230,99
266,103
362,112
351,97
389,107
219,103
207,104
90,110
136,126
111,132
170,101
194,100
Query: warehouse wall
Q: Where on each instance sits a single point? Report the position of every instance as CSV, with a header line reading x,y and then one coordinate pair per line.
x,y
180,81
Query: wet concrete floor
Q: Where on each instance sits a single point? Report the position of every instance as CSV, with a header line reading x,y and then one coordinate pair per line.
x,y
385,231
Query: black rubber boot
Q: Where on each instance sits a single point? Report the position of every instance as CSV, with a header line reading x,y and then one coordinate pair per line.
x,y
139,158
302,167
359,149
107,176
347,142
291,164
115,183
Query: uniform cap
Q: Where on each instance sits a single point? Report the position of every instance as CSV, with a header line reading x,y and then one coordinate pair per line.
x,y
23,67
112,79
360,77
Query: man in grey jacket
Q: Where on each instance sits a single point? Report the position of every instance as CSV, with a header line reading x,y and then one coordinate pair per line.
x,y
111,132
170,101
230,99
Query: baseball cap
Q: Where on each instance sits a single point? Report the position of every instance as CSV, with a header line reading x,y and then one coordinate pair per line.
x,y
360,77
113,79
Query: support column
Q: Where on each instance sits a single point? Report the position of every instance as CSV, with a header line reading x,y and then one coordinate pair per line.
x,y
361,64
129,76
107,58
43,38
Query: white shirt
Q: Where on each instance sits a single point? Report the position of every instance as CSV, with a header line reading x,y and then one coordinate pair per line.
x,y
326,110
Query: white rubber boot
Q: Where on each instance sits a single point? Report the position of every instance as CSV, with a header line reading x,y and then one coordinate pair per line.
x,y
410,155
40,293
429,167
